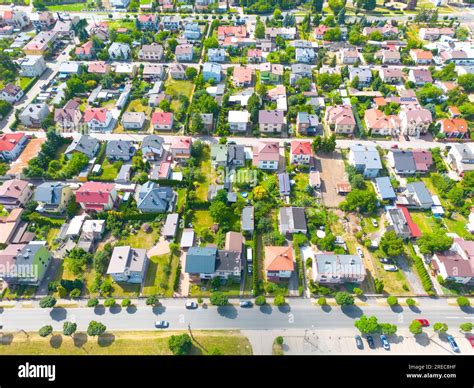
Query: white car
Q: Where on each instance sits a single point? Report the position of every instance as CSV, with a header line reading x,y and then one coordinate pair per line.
x,y
359,252
375,223
191,305
390,268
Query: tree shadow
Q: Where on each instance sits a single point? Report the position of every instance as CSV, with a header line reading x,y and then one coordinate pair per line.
x,y
266,309
467,309
422,339
326,308
132,309
396,308
79,339
415,309
115,309
58,313
285,308
6,339
105,340
160,309
362,298
352,311
228,311
396,339
99,310
56,341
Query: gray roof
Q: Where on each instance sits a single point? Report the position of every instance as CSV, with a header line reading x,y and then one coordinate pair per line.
x,y
153,141
49,192
201,260
271,117
403,160
284,183
247,218
84,144
228,261
152,196
235,153
399,222
126,257
301,68
171,224
367,156
124,173
421,192
292,218
385,188
345,266
119,148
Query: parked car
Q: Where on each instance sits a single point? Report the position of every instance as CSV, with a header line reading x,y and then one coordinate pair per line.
x,y
370,341
453,343
246,303
359,343
424,322
162,324
375,223
249,269
471,340
390,268
359,252
384,341
395,146
191,305
384,260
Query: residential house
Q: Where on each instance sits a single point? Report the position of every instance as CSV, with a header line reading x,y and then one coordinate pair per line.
x,y
53,196
177,71
211,71
266,155
271,73
454,128
420,76
402,162
216,55
171,226
120,150
279,263
305,55
34,114
391,76
338,269
97,196
387,30
273,121
11,226
307,124
456,264
181,147
380,124
435,33
171,23
288,33
42,21
69,68
423,160
162,121
235,155
133,120
254,56
98,67
247,219
363,74
16,19
348,56
147,22
153,72
11,93
84,144
24,264
119,51
224,32
300,152
234,242
152,198
151,52
238,120
128,265
208,121
421,57
319,31
284,185
384,189
461,157
119,4
207,263
32,66
11,145
98,119
41,43
69,116
219,155
242,76
14,193
298,71
192,31
184,52
86,51
366,159
419,194
152,147
415,121
398,223
340,119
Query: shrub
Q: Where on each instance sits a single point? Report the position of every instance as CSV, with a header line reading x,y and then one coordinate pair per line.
x,y
199,300
423,275
378,286
45,331
392,301
322,301
463,301
279,340
357,291
75,293
416,327
95,329
126,302
411,302
219,299
344,298
180,344
260,300
69,328
279,300
109,302
47,302
466,327
152,300
93,302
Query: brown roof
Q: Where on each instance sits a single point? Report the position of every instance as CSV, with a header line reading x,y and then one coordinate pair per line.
x,y
234,242
279,258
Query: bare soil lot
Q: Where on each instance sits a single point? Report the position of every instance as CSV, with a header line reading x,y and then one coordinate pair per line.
x,y
31,150
332,171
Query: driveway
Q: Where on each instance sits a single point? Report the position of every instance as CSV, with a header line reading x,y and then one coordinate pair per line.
x,y
184,283
162,247
332,171
412,278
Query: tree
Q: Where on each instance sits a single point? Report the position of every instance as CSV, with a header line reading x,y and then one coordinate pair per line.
x,y
219,299
93,302
328,82
69,328
466,81
45,331
96,328
47,302
367,325
109,302
440,327
392,301
355,82
357,291
152,300
390,244
259,30
416,327
126,302
279,300
317,6
77,261
260,300
436,241
191,73
466,327
333,35
259,193
180,345
364,201
410,302
344,298
388,328
463,301
336,5
322,301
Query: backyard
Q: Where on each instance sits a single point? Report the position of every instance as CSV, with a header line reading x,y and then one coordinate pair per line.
x,y
160,275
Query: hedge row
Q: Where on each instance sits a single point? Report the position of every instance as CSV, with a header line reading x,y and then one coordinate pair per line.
x,y
299,268
198,205
170,182
255,265
424,275
42,221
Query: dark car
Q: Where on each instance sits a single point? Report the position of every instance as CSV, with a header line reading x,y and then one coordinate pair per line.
x,y
370,341
359,343
246,303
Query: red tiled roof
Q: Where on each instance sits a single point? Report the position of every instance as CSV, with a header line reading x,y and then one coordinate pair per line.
x,y
161,118
9,141
414,229
94,193
99,114
301,148
279,259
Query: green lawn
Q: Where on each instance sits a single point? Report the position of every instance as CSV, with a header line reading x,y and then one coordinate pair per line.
x,y
204,290
75,7
141,239
424,221
181,199
109,170
160,276
124,343
23,82
202,220
457,224
203,187
125,290
137,106
52,234
178,87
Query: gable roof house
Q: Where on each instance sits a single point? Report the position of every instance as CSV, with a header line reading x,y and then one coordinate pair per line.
x,y
421,57
380,124
53,196
456,264
423,160
11,93
152,198
266,155
242,76
363,73
415,121
211,71
279,263
271,73
348,56
247,219
34,114
238,120
69,116
128,264
192,31
10,226
307,124
147,22
152,147
133,120
338,269
305,55
273,121
177,71
235,155
292,220
32,66
151,52
97,196
14,193
218,155
300,152
340,119
216,55
184,52
86,51
366,159
391,76
119,51
181,147
98,119
461,157
418,195
402,162
420,76
454,128
153,72
11,145
384,188
162,121
120,150
300,70
84,144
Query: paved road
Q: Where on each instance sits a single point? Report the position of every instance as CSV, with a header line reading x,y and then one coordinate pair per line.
x,y
299,314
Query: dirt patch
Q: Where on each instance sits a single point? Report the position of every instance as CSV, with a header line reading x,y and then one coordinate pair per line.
x,y
31,150
332,171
